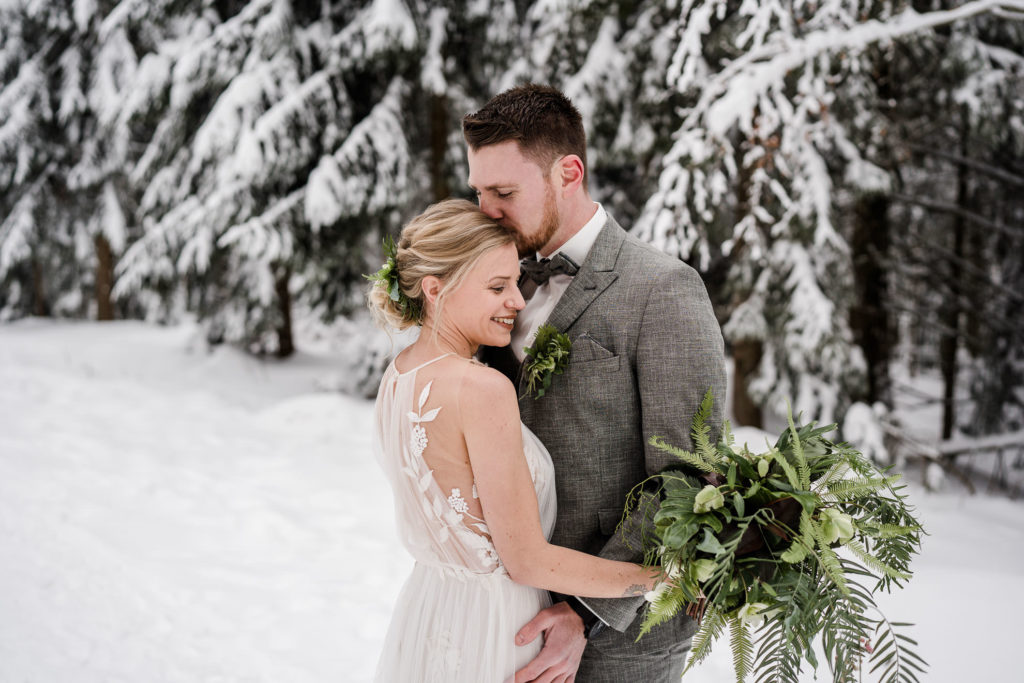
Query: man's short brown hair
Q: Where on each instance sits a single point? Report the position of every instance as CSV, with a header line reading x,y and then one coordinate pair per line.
x,y
540,118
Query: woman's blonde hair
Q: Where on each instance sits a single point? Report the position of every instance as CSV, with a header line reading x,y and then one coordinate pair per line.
x,y
445,241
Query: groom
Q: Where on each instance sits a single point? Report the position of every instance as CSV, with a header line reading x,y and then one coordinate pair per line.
x,y
645,349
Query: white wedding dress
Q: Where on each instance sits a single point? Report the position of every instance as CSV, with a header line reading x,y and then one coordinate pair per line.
x,y
458,613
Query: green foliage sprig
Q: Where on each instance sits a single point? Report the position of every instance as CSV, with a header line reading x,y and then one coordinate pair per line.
x,y
780,547
549,356
387,278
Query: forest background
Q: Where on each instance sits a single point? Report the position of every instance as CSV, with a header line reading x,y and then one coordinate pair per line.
x,y
188,494
846,175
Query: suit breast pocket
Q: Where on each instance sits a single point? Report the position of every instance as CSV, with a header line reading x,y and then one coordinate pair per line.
x,y
586,350
595,375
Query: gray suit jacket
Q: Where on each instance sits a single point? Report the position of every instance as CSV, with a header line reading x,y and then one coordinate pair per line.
x,y
645,348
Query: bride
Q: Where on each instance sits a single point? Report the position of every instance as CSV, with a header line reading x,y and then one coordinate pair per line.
x,y
473,487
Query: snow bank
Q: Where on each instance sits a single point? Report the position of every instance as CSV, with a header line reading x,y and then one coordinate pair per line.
x,y
169,514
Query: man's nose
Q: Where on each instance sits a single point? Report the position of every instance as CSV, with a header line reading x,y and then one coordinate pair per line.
x,y
490,208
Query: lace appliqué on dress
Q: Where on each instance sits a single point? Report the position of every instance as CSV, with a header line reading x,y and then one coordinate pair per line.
x,y
418,438
458,508
458,503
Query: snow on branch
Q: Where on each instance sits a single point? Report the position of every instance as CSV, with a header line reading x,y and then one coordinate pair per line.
x,y
369,172
384,26
16,229
218,58
282,139
735,90
261,237
603,75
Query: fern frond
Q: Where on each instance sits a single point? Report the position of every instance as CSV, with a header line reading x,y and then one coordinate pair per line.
x,y
798,452
886,531
851,489
695,460
665,606
878,565
727,436
893,656
827,558
778,660
710,630
834,473
791,474
742,648
701,430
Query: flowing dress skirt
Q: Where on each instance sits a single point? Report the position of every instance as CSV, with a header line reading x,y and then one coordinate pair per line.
x,y
454,626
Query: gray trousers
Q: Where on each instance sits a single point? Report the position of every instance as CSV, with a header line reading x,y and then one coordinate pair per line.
x,y
613,658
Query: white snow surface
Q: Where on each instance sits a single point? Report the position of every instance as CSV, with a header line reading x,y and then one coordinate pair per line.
x,y
168,513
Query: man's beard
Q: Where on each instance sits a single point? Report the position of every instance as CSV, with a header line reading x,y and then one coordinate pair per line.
x,y
528,245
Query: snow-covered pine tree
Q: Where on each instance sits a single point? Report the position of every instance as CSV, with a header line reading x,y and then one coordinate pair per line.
x,y
610,59
955,133
755,172
219,151
282,142
63,216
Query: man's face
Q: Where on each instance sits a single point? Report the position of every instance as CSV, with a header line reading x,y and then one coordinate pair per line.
x,y
516,192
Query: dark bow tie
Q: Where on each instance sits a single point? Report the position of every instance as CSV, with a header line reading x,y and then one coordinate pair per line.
x,y
542,270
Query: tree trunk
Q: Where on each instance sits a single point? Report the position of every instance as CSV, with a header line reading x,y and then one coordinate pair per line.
x,y
746,355
104,278
285,342
950,313
869,319
438,146
39,305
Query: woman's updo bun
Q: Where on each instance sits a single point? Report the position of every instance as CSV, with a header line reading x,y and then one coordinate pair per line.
x,y
445,241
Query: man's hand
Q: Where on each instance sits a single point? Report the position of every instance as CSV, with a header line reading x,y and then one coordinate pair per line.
x,y
563,645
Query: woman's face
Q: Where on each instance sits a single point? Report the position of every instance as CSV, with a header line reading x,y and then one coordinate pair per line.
x,y
483,308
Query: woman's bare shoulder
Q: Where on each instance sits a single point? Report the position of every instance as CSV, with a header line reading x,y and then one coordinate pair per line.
x,y
483,383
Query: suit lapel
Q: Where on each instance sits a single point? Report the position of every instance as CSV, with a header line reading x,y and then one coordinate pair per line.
x,y
596,274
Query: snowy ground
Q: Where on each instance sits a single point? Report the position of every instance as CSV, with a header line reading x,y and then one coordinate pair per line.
x,y
176,515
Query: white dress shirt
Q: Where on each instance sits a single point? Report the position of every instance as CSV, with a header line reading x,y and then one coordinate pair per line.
x,y
538,308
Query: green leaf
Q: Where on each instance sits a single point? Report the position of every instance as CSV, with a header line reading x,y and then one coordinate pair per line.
x,y
762,467
737,501
710,544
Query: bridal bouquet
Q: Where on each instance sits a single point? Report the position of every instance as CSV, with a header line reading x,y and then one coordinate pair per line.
x,y
780,547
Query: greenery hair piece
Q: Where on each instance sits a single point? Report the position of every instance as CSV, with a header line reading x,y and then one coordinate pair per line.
x,y
387,279
779,548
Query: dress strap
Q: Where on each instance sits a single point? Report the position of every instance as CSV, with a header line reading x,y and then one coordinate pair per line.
x,y
423,365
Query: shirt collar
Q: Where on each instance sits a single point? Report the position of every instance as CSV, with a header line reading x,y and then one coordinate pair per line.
x,y
578,246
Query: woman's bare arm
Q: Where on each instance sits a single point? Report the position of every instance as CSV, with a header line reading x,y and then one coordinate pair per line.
x,y
489,414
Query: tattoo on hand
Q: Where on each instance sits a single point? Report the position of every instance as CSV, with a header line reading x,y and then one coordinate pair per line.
x,y
635,590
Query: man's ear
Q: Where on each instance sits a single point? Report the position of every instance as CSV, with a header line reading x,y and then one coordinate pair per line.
x,y
432,287
569,170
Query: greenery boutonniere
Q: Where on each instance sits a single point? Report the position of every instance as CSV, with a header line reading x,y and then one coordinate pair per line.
x,y
549,356
387,278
